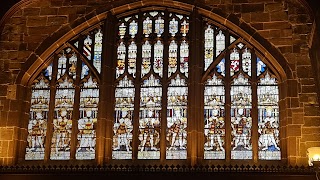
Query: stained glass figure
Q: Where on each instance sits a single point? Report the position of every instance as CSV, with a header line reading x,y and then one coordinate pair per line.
x,y
177,119
89,100
123,122
159,26
208,47
38,119
234,62
122,30
62,122
84,70
149,119
133,28
62,65
87,47
241,121
97,50
158,58
132,58
121,59
73,65
220,42
184,57
221,67
173,27
184,28
268,119
146,58
48,72
147,27
214,119
261,67
173,48
246,61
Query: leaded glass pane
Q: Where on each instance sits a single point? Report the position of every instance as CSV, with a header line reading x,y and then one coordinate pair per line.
x,y
158,58
123,122
133,28
261,67
62,122
146,58
241,121
87,47
208,47
38,119
268,119
246,61
173,56
159,26
177,119
149,119
221,67
62,65
73,65
214,119
184,57
89,99
121,59
132,58
173,27
220,42
234,62
147,27
97,50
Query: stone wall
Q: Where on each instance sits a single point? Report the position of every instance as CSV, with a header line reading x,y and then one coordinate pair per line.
x,y
285,24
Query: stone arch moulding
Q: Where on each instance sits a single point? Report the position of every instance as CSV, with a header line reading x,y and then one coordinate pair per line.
x,y
40,57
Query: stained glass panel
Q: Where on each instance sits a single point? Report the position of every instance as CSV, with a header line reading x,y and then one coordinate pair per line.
x,y
121,59
234,62
147,27
184,28
208,47
220,42
177,119
62,65
62,122
158,58
214,119
87,47
38,119
221,67
146,58
97,50
241,121
268,119
73,65
89,99
173,27
246,61
123,122
159,26
133,28
261,67
132,58
149,119
184,57
122,30
48,71
173,56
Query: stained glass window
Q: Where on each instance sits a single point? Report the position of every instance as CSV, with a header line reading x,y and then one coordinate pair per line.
x,y
37,126
123,122
177,119
149,119
268,118
214,118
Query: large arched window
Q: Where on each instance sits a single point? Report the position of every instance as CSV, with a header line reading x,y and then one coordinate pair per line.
x,y
153,84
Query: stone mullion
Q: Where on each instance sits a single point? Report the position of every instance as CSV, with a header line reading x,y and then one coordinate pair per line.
x,y
137,84
227,82
75,111
254,110
53,88
106,93
194,101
